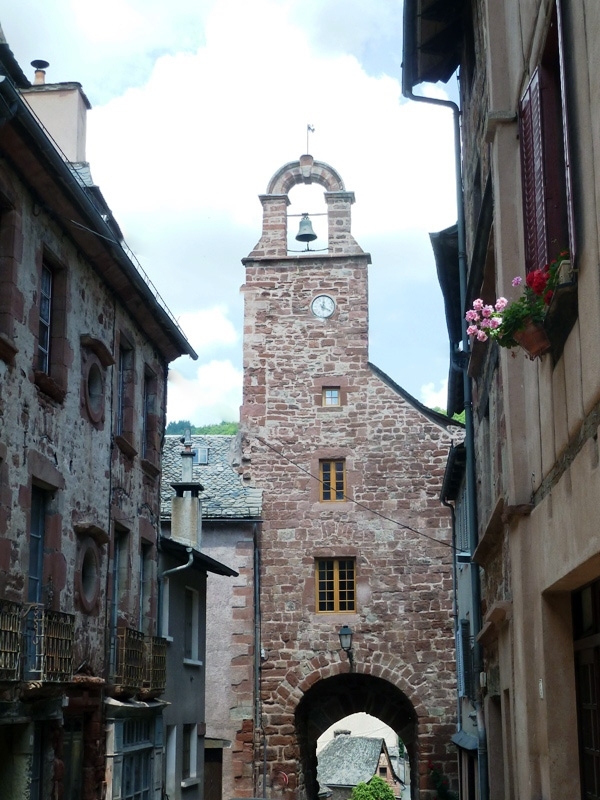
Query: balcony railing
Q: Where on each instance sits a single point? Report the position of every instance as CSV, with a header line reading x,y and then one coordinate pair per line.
x,y
48,648
156,665
10,640
129,668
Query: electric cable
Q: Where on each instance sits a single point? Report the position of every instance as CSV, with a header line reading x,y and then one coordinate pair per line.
x,y
402,525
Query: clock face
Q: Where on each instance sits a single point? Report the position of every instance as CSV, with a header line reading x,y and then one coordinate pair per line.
x,y
323,306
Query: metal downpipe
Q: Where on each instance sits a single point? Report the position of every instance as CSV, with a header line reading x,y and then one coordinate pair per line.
x,y
482,755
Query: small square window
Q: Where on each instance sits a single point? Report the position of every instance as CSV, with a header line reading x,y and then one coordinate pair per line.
x,y
331,396
200,455
333,480
335,580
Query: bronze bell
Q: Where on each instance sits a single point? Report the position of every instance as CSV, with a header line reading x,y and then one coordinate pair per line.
x,y
305,231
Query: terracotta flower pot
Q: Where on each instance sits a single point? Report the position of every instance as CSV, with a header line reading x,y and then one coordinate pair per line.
x,y
533,339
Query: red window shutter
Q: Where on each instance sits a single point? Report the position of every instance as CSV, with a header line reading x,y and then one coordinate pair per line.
x,y
532,175
565,126
544,159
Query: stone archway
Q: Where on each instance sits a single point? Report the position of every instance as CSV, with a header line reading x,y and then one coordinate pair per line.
x,y
334,698
273,242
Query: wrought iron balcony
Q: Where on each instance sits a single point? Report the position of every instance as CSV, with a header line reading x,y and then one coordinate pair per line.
x,y
10,640
48,647
129,660
156,665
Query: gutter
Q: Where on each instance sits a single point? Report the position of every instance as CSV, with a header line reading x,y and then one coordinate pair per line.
x,y
181,567
462,359
15,107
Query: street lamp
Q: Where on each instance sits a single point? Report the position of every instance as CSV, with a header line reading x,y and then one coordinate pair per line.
x,y
345,635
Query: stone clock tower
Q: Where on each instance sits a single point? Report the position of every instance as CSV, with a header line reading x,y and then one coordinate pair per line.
x,y
352,532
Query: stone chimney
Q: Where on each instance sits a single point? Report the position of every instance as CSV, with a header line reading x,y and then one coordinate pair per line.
x,y
62,109
186,507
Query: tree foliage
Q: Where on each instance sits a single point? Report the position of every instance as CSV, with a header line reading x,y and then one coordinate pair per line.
x,y
223,428
456,417
375,789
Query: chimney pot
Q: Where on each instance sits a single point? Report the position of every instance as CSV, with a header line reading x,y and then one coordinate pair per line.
x,y
39,66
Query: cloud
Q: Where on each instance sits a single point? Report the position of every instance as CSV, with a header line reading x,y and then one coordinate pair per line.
x,y
435,398
198,103
213,395
208,329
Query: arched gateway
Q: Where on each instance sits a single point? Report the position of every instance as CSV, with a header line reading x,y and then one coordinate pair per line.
x,y
334,698
352,530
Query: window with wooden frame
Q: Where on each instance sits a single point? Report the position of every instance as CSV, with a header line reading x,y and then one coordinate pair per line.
x,y
150,418
45,320
124,406
50,361
335,582
331,396
545,163
332,474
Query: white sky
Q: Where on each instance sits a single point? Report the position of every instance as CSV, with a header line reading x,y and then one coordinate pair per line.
x,y
196,103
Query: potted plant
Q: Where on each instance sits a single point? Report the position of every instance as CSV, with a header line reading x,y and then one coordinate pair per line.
x,y
520,322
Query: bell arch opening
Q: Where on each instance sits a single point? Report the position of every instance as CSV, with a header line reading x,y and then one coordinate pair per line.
x,y
310,200
335,698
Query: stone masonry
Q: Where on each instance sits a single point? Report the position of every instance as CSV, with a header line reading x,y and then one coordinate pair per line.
x,y
390,521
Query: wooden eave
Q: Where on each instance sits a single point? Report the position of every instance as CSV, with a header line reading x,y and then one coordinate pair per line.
x,y
433,32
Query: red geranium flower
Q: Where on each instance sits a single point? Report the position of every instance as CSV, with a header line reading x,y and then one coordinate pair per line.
x,y
537,280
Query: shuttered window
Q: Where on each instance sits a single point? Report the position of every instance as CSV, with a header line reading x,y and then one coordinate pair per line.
x,y
545,165
464,664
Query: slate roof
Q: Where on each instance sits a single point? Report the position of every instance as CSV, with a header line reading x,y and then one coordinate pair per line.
x,y
224,495
349,760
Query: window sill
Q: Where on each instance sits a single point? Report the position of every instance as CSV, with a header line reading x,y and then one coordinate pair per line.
x,y
125,447
329,408
49,386
192,662
8,349
187,782
150,468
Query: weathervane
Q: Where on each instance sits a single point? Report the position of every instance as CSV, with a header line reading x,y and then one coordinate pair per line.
x,y
309,129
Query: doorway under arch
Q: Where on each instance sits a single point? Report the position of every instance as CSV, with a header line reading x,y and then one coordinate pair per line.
x,y
331,699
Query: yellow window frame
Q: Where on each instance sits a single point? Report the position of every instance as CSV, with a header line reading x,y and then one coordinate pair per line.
x,y
335,584
331,396
332,475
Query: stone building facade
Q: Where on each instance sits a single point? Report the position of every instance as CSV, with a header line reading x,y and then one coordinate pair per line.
x,y
85,344
530,118
353,532
230,516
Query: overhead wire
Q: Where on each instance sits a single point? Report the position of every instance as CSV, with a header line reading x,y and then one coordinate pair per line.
x,y
402,525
